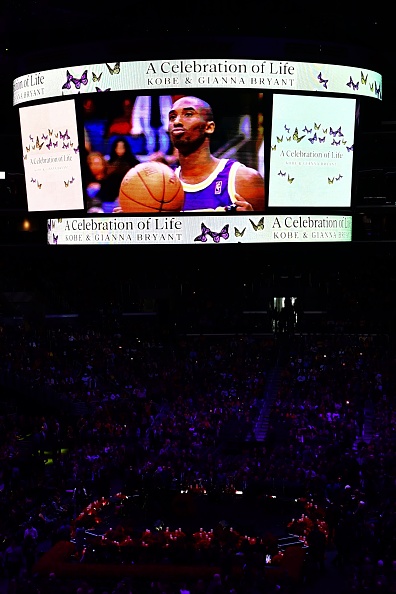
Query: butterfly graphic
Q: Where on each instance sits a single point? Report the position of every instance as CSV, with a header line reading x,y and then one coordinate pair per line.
x,y
279,139
204,233
316,126
350,148
66,183
64,136
223,234
55,144
28,149
259,226
72,180
44,137
25,157
290,179
98,90
296,136
50,132
321,140
335,143
49,144
324,131
288,138
339,177
322,80
306,130
96,78
363,79
371,85
287,129
67,84
76,81
330,180
65,145
76,150
344,141
335,132
115,70
39,185
33,180
352,85
38,145
313,139
282,174
31,137
377,90
55,238
273,148
239,233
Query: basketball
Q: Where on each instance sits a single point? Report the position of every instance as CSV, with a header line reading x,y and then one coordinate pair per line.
x,y
151,187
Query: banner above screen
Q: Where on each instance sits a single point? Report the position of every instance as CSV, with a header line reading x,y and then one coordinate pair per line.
x,y
206,73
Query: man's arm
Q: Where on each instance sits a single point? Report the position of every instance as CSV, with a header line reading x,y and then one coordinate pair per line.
x,y
249,186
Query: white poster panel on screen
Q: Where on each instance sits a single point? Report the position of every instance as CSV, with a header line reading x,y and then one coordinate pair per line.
x,y
312,142
51,157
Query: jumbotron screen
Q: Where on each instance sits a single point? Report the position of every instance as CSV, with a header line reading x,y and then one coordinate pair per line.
x,y
193,151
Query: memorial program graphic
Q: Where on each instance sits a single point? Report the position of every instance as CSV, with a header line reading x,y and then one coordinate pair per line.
x,y
311,160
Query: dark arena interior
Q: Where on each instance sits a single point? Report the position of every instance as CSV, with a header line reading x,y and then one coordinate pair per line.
x,y
204,419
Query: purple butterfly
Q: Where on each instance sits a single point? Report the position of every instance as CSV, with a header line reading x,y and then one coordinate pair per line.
x,y
339,177
335,132
205,231
352,85
377,89
282,174
49,144
65,145
322,80
33,180
350,148
64,136
223,234
335,143
55,144
72,180
102,90
49,225
81,81
287,129
313,139
67,84
76,150
322,139
55,238
307,131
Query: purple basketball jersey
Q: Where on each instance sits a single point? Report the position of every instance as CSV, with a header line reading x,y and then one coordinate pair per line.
x,y
216,191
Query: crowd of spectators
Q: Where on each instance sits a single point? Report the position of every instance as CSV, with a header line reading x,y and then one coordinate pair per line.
x,y
152,415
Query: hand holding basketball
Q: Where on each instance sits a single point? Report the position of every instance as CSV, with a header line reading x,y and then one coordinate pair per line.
x,y
151,187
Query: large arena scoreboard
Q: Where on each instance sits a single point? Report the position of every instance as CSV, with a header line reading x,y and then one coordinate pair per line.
x,y
295,123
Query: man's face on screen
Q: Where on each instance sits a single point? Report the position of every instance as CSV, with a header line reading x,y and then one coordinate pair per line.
x,y
188,123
